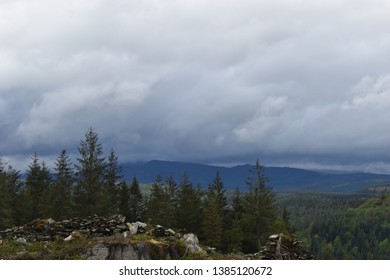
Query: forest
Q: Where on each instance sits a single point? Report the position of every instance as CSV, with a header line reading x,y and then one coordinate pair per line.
x,y
331,227
341,226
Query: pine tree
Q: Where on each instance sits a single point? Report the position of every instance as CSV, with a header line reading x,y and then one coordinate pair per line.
x,y
212,229
158,203
62,189
136,201
217,190
124,200
172,194
189,206
6,199
38,182
259,210
90,176
110,203
215,214
233,236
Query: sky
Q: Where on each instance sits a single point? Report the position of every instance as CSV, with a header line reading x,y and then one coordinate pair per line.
x,y
301,83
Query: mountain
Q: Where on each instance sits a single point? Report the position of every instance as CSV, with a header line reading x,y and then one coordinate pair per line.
x,y
282,179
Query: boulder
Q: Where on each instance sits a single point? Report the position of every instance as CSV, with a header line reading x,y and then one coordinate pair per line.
x,y
192,244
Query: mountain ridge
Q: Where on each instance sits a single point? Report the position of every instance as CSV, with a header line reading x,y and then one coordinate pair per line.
x,y
282,179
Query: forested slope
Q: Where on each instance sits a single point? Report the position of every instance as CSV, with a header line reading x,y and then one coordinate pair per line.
x,y
342,227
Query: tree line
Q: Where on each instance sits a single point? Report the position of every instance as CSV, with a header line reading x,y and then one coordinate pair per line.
x,y
93,185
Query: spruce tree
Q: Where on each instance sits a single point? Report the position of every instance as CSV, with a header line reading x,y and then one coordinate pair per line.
x,y
110,203
212,229
158,204
38,182
259,210
136,201
90,176
6,199
124,200
189,206
217,190
62,188
234,234
172,194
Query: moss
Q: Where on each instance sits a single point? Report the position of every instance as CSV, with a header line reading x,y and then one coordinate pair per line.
x,y
139,238
10,247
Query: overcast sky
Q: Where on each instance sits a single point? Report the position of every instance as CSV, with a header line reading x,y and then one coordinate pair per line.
x,y
301,83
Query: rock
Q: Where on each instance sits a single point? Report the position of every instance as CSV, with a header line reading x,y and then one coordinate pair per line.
x,y
141,226
133,228
128,253
98,252
282,247
159,231
48,229
69,238
192,244
170,232
22,241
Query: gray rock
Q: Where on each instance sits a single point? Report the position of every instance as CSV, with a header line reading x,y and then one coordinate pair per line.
x,y
192,244
22,241
123,253
133,228
98,252
170,232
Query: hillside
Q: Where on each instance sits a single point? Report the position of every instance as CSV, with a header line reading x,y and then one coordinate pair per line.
x,y
283,179
341,226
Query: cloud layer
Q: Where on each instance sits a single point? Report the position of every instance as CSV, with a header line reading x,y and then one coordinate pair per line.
x,y
291,82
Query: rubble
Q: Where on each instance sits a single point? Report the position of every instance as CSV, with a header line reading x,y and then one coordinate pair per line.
x,y
282,247
48,229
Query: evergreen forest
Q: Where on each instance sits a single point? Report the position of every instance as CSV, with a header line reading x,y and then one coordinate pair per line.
x,y
330,226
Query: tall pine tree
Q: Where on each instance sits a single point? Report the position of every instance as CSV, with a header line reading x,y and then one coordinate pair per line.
x,y
259,210
136,201
124,200
38,182
90,176
7,192
189,206
110,203
62,188
157,209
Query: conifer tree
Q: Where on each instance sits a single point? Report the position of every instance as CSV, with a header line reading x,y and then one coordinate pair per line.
x,y
172,194
62,188
189,206
158,203
90,176
38,182
259,210
217,190
136,201
234,234
110,201
7,218
124,200
212,224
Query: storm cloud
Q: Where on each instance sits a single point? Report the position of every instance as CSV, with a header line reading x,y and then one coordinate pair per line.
x,y
297,83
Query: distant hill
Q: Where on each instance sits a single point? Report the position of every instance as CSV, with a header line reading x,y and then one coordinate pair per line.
x,y
282,179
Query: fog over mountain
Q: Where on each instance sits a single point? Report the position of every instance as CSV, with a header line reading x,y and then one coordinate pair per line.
x,y
293,83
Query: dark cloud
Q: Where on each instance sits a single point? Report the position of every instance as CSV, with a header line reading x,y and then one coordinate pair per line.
x,y
298,83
